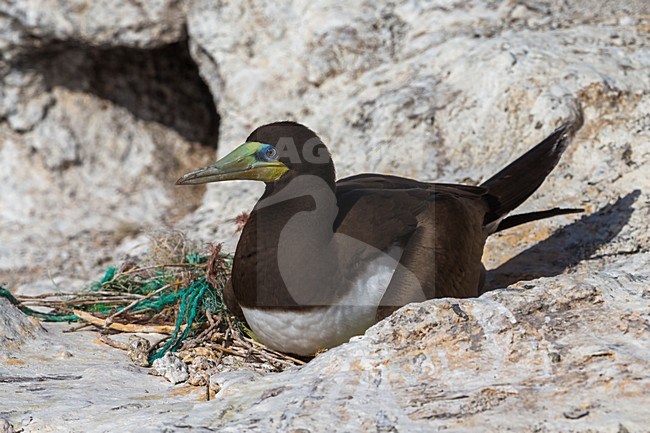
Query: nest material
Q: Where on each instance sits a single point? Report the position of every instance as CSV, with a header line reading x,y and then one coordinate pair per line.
x,y
182,298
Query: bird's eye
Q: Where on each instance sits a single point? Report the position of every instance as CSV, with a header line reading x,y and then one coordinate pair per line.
x,y
268,153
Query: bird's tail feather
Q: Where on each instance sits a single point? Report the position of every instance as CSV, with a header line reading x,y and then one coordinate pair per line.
x,y
516,220
514,184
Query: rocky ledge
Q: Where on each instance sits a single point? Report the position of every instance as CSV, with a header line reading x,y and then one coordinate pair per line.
x,y
551,355
103,105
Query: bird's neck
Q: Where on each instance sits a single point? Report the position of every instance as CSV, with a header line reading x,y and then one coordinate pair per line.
x,y
289,234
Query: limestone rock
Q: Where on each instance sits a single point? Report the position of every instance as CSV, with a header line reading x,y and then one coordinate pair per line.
x,y
5,427
101,108
171,368
15,328
435,93
133,23
138,351
71,382
555,354
560,354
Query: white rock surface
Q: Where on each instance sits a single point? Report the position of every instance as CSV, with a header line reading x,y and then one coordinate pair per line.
x,y
171,368
72,382
552,355
101,107
15,328
433,91
528,358
101,22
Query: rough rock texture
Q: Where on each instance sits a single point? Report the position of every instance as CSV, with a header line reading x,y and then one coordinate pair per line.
x,y
435,90
102,107
94,129
145,24
171,368
72,382
15,328
551,355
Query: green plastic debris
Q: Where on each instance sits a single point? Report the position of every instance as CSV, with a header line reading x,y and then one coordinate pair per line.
x,y
181,286
54,317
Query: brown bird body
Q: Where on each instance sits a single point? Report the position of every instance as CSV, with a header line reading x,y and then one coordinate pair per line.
x,y
319,261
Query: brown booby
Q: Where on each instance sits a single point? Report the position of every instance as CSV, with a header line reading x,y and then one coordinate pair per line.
x,y
321,260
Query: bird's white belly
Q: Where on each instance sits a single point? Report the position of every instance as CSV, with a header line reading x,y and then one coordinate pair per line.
x,y
306,332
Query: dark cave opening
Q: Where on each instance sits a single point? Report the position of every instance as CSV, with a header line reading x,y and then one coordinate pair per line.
x,y
156,84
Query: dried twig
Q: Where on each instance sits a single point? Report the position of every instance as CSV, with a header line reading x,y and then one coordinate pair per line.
x,y
57,304
275,353
226,350
116,344
86,294
77,328
148,268
132,328
136,302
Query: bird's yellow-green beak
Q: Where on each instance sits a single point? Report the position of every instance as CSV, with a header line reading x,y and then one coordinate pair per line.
x,y
249,161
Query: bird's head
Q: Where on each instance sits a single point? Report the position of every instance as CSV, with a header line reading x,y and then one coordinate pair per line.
x,y
272,152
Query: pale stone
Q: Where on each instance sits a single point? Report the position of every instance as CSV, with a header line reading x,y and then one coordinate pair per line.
x,y
410,89
15,328
171,368
553,354
90,147
92,138
101,22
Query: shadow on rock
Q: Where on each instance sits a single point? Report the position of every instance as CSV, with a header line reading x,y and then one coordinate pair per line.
x,y
567,247
160,84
